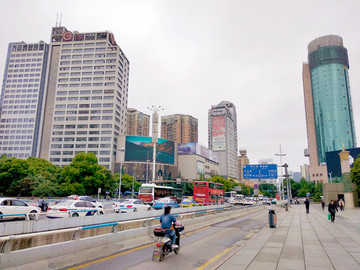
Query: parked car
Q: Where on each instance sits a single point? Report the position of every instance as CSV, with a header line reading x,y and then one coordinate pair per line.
x,y
130,205
16,207
161,203
84,198
73,208
189,203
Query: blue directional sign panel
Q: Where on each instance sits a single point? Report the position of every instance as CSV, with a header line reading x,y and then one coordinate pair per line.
x,y
260,171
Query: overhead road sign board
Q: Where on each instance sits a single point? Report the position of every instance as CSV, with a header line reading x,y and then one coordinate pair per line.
x,y
260,171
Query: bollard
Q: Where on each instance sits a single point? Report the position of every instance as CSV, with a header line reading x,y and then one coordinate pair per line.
x,y
272,219
286,207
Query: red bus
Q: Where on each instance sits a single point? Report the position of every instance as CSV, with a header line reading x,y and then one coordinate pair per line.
x,y
208,192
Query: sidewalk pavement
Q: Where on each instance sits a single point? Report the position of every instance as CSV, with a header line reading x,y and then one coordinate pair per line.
x,y
302,241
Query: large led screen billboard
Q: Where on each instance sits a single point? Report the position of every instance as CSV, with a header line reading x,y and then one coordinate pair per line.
x,y
140,149
218,133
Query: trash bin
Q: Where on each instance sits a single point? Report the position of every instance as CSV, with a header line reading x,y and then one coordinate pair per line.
x,y
272,219
286,207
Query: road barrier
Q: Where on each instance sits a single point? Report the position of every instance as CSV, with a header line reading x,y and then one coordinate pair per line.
x,y
65,247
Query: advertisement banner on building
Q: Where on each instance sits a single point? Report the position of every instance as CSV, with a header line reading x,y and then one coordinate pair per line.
x,y
218,133
187,148
140,149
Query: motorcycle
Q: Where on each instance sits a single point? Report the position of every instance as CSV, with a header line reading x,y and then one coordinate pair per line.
x,y
163,244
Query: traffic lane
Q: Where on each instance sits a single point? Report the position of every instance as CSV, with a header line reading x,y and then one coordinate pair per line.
x,y
197,247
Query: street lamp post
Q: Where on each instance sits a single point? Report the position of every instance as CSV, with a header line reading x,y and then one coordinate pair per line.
x,y
121,150
281,185
155,122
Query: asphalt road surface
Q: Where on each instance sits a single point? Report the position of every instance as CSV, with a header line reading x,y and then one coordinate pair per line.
x,y
201,249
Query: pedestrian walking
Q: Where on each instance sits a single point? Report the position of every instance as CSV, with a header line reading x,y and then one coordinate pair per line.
x,y
42,204
323,204
341,205
332,210
307,205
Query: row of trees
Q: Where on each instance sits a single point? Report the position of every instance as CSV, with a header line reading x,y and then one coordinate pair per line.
x,y
38,177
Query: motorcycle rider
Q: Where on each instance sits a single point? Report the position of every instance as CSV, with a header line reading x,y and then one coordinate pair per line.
x,y
166,221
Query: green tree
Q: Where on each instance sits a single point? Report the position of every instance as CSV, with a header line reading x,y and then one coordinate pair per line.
x,y
267,190
246,190
229,184
355,173
126,182
84,176
12,173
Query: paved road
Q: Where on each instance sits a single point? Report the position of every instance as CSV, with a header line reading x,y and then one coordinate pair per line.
x,y
198,248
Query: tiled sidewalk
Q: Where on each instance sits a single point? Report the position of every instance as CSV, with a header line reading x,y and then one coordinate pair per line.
x,y
303,241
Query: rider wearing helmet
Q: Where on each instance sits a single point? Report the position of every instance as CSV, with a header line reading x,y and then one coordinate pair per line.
x,y
166,221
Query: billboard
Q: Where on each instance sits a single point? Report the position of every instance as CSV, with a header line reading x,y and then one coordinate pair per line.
x,y
260,171
218,133
197,149
140,149
187,148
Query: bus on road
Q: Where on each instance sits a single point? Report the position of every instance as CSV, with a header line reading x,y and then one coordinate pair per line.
x,y
149,193
208,192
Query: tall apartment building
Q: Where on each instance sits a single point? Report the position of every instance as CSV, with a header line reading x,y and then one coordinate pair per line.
x,y
179,128
328,106
137,123
242,161
86,97
223,137
22,99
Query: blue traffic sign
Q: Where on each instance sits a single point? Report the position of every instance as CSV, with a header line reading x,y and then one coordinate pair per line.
x,y
260,171
256,186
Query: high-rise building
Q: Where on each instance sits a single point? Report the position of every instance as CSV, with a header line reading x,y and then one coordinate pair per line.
x,y
137,123
22,99
242,161
222,135
179,128
86,97
328,107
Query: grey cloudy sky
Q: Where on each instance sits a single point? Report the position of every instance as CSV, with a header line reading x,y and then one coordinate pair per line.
x,y
188,55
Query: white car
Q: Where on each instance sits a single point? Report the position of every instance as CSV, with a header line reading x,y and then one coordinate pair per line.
x,y
85,198
16,208
130,205
73,208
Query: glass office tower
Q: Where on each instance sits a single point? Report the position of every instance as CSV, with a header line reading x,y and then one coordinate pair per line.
x,y
332,107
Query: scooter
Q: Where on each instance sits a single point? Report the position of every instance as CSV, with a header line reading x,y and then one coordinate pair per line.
x,y
163,244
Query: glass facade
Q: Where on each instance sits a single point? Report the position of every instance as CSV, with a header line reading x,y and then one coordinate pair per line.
x,y
334,123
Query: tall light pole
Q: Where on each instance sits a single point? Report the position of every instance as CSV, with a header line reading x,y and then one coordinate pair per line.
x,y
121,150
281,187
155,133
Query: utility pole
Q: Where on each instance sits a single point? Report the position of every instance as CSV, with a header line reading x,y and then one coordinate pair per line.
x,y
288,189
281,184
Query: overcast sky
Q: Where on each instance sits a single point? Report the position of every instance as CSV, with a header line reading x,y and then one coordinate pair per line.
x,y
188,55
